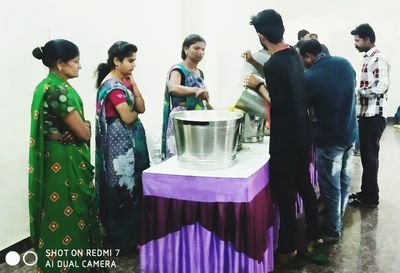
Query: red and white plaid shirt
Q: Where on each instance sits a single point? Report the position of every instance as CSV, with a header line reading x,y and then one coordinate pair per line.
x,y
374,84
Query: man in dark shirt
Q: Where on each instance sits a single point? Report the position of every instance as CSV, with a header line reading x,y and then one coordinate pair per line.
x,y
290,140
330,87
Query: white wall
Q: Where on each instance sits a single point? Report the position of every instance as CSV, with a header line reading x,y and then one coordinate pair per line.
x,y
228,34
93,26
157,27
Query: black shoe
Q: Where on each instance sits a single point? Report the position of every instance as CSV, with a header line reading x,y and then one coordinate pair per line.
x,y
361,204
317,256
296,262
315,253
354,195
331,240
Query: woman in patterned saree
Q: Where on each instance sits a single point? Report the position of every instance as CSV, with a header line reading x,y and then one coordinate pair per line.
x,y
184,90
121,149
61,190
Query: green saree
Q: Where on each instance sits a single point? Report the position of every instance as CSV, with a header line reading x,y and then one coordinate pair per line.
x,y
61,190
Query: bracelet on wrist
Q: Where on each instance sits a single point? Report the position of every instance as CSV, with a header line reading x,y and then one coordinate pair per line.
x,y
257,89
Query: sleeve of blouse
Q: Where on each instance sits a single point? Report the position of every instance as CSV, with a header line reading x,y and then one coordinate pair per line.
x,y
117,96
180,72
59,102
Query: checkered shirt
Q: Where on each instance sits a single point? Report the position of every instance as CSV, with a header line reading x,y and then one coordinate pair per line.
x,y
374,84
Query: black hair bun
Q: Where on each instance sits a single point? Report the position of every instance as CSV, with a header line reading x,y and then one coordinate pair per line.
x,y
38,53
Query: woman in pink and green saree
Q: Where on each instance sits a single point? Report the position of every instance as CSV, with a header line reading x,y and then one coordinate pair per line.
x,y
121,148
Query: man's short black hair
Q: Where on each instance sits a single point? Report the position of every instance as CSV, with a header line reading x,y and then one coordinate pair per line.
x,y
364,31
269,23
302,33
312,47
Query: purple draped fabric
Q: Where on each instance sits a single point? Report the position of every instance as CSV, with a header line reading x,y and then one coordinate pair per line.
x,y
206,224
244,225
195,249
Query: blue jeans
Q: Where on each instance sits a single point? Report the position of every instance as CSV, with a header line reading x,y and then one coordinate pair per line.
x,y
334,167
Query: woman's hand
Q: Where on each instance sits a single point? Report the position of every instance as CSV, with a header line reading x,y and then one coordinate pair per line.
x,y
139,102
78,127
67,138
136,91
202,94
125,113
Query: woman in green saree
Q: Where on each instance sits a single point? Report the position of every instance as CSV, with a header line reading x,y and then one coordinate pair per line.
x,y
121,148
61,190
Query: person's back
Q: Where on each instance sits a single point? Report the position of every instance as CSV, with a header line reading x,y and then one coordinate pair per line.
x,y
289,142
330,87
285,81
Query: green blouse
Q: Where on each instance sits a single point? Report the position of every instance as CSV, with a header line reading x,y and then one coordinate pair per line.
x,y
59,100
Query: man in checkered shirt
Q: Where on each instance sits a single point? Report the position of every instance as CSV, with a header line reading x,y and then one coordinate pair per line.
x,y
371,110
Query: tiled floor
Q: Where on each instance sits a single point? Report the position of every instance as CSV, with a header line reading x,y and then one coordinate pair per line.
x,y
371,237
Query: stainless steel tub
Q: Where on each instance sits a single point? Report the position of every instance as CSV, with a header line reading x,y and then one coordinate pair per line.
x,y
206,140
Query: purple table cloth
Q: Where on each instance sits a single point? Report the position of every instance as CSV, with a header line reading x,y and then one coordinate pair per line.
x,y
216,225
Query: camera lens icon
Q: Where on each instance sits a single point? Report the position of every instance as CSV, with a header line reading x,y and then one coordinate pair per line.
x,y
30,258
